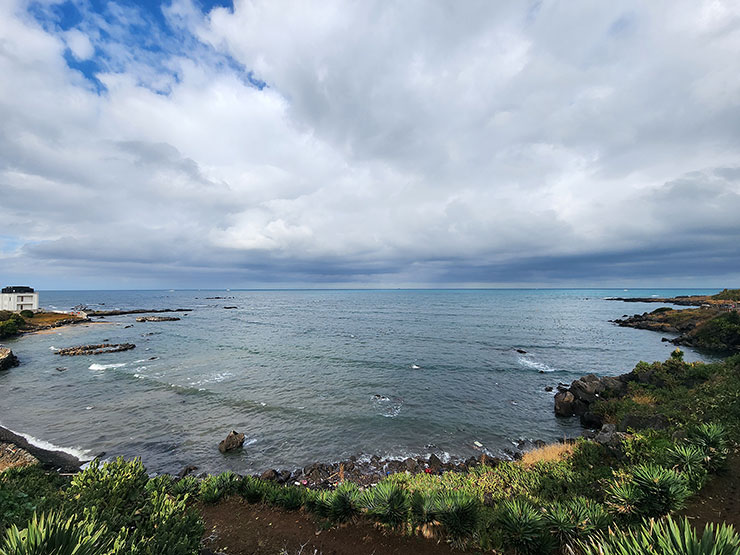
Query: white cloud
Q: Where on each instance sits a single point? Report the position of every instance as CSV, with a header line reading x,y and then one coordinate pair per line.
x,y
389,136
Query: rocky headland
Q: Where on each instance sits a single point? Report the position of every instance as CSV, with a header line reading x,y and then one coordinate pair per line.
x,y
7,359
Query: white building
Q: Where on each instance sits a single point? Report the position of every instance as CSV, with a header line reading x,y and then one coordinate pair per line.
x,y
18,297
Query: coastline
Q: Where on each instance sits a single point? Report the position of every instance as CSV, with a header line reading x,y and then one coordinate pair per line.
x,y
52,459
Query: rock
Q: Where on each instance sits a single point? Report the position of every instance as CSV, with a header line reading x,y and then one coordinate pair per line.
x,y
97,349
610,437
521,351
639,422
7,359
230,307
187,470
157,319
61,368
564,403
12,456
284,476
233,441
591,420
614,386
269,475
587,388
434,463
411,465
548,388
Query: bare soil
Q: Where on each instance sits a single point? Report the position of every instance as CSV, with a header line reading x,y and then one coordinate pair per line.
x,y
719,500
235,527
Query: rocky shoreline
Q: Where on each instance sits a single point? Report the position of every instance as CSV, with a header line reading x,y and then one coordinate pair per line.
x,y
7,359
49,459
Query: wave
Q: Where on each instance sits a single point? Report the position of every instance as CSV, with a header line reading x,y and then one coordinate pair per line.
x,y
81,454
96,366
540,366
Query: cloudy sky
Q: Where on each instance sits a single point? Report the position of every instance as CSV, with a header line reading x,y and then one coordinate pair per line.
x,y
202,143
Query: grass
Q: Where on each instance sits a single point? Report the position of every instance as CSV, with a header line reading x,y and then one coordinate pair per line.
x,y
553,452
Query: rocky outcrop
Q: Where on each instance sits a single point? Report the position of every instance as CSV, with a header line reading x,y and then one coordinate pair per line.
x,y
55,460
97,349
12,456
7,359
157,319
234,440
577,399
136,311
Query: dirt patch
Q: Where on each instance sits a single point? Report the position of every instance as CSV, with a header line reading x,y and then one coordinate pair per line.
x,y
719,500
235,527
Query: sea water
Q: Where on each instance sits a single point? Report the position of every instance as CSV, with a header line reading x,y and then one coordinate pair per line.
x,y
319,375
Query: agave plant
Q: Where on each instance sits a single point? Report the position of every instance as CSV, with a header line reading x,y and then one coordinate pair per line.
x,y
575,520
345,503
290,498
665,537
711,438
651,491
459,513
319,502
523,527
387,503
52,534
423,508
215,487
689,459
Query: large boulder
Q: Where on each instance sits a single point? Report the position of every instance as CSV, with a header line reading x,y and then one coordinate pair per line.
x,y
7,359
564,403
233,441
587,388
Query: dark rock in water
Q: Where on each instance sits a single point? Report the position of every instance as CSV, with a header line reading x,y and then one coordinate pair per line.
x,y
7,359
129,326
548,388
270,475
61,368
434,463
230,307
521,351
157,319
564,403
639,422
284,476
97,349
233,441
189,469
411,465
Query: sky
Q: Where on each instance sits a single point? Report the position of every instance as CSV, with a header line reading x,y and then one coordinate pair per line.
x,y
201,143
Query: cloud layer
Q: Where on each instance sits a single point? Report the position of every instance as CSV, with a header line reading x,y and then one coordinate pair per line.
x,y
370,143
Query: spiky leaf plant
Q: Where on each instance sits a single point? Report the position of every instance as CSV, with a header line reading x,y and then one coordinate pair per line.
x,y
188,485
523,528
345,503
713,440
319,502
53,534
691,460
575,519
387,503
424,508
290,498
665,537
650,491
252,489
459,514
218,486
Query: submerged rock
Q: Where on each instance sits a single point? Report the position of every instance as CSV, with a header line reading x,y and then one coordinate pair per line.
x,y
157,319
97,349
232,441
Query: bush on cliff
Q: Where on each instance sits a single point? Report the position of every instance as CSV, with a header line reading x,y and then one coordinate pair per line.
x,y
24,491
719,333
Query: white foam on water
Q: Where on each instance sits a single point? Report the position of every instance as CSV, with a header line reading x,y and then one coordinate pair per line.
x,y
96,366
81,454
540,366
415,367
53,348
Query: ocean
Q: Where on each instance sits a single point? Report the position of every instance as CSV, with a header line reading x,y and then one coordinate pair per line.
x,y
319,375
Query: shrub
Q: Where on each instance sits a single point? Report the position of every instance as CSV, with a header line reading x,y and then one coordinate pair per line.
x,y
54,534
290,497
252,489
691,460
319,502
423,508
665,537
523,527
27,313
387,503
26,490
163,483
188,485
650,491
345,505
575,520
218,486
459,514
711,438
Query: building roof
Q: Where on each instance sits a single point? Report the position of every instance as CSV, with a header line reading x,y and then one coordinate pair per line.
x,y
17,289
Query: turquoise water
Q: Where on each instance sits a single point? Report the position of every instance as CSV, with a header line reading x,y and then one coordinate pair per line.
x,y
319,375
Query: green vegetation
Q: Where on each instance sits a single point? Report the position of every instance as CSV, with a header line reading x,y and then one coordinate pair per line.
x,y
727,295
582,497
720,333
10,324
